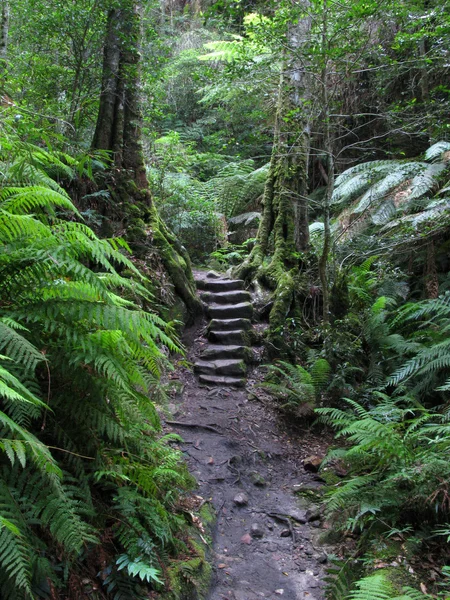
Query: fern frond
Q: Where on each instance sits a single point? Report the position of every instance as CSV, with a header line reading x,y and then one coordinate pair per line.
x,y
436,150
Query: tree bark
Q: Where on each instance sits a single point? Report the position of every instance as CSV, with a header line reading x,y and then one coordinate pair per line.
x,y
328,147
118,131
284,205
4,30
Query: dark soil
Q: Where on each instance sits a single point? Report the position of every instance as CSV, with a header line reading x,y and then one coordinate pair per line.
x,y
255,452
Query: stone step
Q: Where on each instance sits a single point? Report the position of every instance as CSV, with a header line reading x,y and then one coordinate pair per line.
x,y
232,297
227,337
221,367
229,324
220,285
242,310
221,380
218,352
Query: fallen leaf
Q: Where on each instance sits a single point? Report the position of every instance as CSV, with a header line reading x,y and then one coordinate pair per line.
x,y
246,539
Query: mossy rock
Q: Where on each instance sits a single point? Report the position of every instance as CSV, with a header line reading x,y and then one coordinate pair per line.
x,y
310,492
329,477
190,579
207,515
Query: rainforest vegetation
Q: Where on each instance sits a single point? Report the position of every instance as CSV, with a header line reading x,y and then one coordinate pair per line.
x,y
303,144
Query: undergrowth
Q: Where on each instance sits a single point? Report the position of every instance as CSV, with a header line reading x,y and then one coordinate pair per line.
x,y
88,485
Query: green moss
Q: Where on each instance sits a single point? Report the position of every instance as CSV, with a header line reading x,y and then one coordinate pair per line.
x,y
190,579
312,493
329,477
207,515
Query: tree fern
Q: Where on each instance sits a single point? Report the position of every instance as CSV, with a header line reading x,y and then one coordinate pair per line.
x,y
436,150
378,188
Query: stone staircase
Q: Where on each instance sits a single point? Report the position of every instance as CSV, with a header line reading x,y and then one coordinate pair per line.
x,y
224,360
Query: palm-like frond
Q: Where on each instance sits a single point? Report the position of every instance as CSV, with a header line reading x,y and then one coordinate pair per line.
x,y
436,150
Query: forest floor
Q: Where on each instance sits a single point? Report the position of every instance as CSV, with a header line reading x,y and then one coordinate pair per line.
x,y
266,538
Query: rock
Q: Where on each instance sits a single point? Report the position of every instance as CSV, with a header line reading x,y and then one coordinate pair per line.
x,y
222,285
257,479
213,275
221,367
218,352
309,552
229,324
226,337
222,380
299,516
241,499
315,524
256,530
229,297
285,533
280,592
312,463
323,558
243,310
246,539
173,409
210,460
313,514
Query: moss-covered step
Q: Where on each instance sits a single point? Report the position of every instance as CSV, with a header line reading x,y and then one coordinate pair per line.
x,y
242,310
221,367
213,352
229,324
233,297
222,380
220,285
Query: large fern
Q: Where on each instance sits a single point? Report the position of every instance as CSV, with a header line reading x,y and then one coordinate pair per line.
x,y
378,587
79,364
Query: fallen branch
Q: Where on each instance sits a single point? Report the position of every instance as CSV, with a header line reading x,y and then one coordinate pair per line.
x,y
207,427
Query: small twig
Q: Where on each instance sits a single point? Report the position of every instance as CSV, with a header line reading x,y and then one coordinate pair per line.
x,y
285,519
73,453
235,430
236,471
207,427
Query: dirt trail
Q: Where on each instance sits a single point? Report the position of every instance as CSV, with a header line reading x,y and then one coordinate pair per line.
x,y
267,548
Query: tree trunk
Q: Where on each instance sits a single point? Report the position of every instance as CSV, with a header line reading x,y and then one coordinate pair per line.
x,y
285,204
328,147
118,130
4,29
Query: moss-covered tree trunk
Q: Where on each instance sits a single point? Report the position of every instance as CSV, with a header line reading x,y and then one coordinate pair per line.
x,y
4,29
328,147
118,130
283,230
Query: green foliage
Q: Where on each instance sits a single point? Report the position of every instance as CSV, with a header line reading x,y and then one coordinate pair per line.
x,y
378,587
397,463
79,366
297,388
